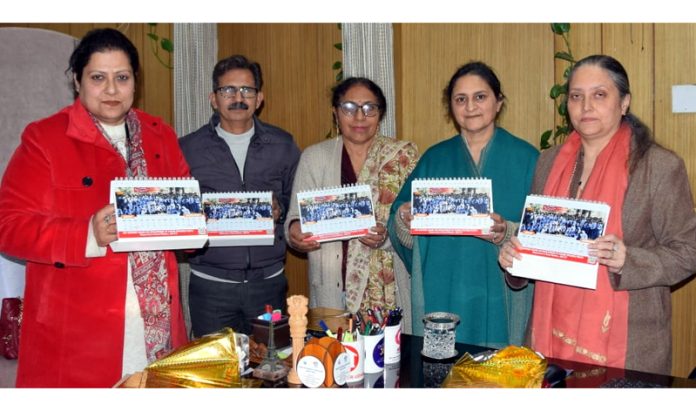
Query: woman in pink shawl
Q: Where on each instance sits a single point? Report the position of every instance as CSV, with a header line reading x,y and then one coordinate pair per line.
x,y
649,242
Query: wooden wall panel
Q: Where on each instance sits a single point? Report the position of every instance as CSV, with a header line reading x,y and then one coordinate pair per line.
x,y
296,60
155,92
428,55
632,45
675,59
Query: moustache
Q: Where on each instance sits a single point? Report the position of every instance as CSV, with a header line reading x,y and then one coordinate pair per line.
x,y
239,105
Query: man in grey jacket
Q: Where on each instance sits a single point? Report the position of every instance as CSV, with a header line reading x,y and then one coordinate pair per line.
x,y
236,152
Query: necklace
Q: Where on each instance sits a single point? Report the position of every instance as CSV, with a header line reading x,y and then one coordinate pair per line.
x,y
575,190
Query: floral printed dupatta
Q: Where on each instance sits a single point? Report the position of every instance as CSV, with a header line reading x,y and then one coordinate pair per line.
x,y
370,279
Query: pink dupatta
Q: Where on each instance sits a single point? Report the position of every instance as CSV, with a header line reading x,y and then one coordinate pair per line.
x,y
578,324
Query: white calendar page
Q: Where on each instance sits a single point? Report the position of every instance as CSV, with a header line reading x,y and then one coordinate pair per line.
x,y
157,214
336,213
555,233
451,206
239,219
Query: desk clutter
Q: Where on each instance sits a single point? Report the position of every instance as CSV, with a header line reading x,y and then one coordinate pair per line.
x,y
351,349
331,348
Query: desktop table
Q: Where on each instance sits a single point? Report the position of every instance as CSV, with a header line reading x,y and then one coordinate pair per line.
x,y
416,371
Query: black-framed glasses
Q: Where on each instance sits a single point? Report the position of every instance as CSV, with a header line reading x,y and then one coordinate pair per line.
x,y
349,108
231,91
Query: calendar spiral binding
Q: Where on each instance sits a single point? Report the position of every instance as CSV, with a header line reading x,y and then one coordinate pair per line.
x,y
265,196
569,199
340,189
145,178
450,179
239,193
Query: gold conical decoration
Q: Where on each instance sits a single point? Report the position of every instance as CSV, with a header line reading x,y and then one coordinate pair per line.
x,y
511,367
208,362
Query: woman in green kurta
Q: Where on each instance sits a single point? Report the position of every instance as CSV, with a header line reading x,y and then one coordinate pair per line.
x,y
460,274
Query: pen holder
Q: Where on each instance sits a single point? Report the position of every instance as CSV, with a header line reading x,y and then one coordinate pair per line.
x,y
374,352
391,375
323,362
392,344
356,353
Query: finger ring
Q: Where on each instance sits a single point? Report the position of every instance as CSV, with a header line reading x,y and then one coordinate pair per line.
x,y
615,248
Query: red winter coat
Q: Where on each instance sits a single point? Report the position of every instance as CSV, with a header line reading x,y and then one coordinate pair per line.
x,y
59,176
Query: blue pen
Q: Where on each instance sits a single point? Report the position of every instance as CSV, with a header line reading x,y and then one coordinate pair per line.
x,y
326,329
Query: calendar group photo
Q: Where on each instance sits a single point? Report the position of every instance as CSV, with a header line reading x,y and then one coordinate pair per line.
x,y
336,213
451,206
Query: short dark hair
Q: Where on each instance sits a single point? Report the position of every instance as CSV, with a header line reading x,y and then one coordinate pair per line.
x,y
237,62
100,40
477,68
342,88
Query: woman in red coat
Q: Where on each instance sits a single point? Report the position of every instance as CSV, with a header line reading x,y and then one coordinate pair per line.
x,y
90,315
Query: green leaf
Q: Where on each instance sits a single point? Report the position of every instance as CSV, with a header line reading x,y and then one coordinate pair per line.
x,y
339,76
544,141
337,65
339,46
566,73
562,109
167,45
563,55
153,36
560,28
152,24
557,90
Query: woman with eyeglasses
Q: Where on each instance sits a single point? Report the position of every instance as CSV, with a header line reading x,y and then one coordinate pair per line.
x,y
460,274
364,272
90,315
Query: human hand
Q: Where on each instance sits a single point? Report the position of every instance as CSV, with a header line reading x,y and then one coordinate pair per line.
x,y
497,230
376,236
610,250
298,239
104,225
508,253
404,213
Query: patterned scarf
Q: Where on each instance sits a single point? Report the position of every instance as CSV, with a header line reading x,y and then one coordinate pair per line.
x,y
370,277
589,326
148,268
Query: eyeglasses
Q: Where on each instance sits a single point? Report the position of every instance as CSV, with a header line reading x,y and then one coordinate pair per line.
x,y
349,108
231,91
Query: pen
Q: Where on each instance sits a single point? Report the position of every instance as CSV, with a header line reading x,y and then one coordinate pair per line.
x,y
378,315
326,329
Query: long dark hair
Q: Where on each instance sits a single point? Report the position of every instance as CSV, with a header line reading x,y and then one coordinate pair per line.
x,y
642,135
